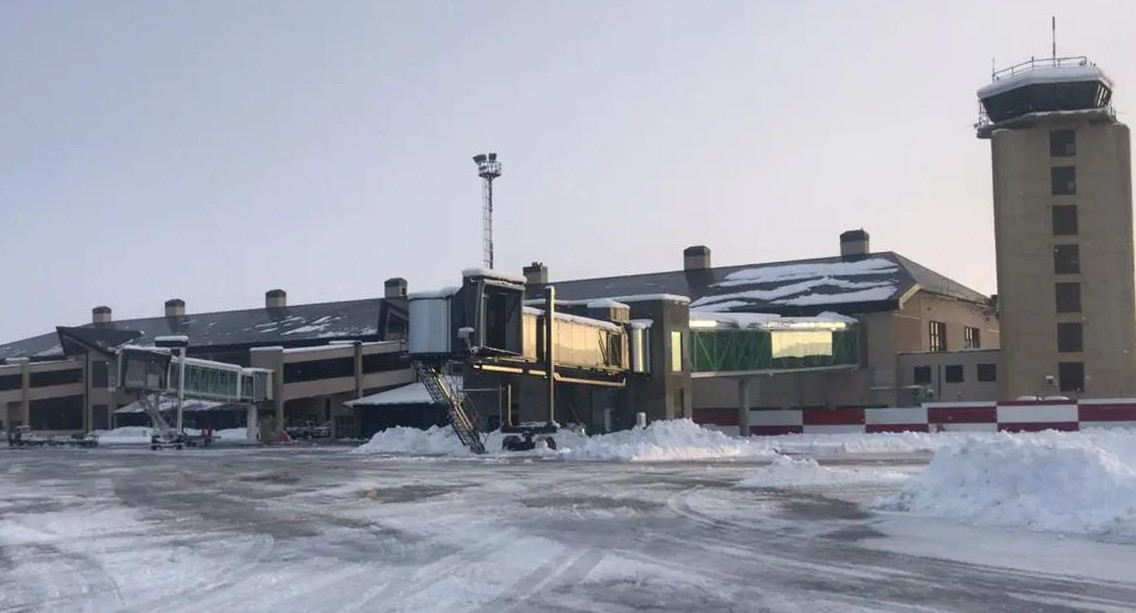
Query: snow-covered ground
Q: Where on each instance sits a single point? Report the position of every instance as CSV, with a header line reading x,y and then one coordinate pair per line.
x,y
411,523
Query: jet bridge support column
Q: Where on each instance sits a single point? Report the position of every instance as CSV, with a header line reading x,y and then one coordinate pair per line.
x,y
743,405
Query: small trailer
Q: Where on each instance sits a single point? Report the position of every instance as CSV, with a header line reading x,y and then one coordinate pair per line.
x,y
25,436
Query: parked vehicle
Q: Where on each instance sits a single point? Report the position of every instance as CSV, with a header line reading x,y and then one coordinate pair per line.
x,y
309,429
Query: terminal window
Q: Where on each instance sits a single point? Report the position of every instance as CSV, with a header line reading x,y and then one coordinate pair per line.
x,y
987,372
937,334
922,374
1071,376
1070,337
953,373
972,338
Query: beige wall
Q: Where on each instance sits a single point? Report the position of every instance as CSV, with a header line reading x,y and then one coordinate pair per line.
x,y
969,389
1024,245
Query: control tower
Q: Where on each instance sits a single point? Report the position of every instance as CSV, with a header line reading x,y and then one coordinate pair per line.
x,y
1063,230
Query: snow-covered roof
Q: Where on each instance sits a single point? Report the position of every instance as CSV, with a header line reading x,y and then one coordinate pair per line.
x,y
588,321
295,325
795,288
493,274
411,393
1045,74
768,321
445,292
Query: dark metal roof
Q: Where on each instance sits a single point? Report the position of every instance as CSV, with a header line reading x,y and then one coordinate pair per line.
x,y
799,287
290,326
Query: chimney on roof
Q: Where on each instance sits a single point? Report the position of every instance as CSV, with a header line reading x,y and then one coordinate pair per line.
x,y
854,244
100,315
275,299
175,307
394,288
696,257
536,274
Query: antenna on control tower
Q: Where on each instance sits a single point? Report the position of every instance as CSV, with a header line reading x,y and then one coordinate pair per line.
x,y
488,168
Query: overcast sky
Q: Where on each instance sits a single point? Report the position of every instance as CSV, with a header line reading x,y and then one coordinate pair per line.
x,y
212,150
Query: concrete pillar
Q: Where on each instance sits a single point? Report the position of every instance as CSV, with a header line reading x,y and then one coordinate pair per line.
x,y
25,388
88,410
252,423
272,358
743,406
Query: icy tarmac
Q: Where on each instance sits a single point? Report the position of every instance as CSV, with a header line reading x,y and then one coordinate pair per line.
x,y
283,530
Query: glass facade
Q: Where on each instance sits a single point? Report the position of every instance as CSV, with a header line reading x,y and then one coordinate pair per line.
x,y
740,350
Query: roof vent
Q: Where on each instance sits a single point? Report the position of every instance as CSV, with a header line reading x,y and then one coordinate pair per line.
x,y
100,315
854,244
275,299
175,307
394,288
696,257
536,274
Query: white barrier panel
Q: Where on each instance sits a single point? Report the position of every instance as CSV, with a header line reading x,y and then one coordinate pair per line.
x,y
1107,425
776,418
1037,414
837,429
913,415
965,427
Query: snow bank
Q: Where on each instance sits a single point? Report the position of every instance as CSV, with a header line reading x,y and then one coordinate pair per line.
x,y
1065,482
435,441
662,440
679,439
786,472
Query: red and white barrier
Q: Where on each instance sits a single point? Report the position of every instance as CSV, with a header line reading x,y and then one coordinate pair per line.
x,y
1007,416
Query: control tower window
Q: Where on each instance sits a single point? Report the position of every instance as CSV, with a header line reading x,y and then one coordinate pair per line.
x,y
1063,180
1062,143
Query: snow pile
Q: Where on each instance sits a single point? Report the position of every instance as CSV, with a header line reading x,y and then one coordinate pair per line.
x,y
786,472
128,435
679,439
1048,481
435,441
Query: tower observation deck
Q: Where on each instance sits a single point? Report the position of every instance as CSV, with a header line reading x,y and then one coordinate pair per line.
x,y
1043,86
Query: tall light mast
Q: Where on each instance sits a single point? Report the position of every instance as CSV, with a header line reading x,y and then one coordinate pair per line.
x,y
488,168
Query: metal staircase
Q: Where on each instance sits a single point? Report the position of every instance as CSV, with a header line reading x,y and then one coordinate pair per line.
x,y
152,405
463,415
